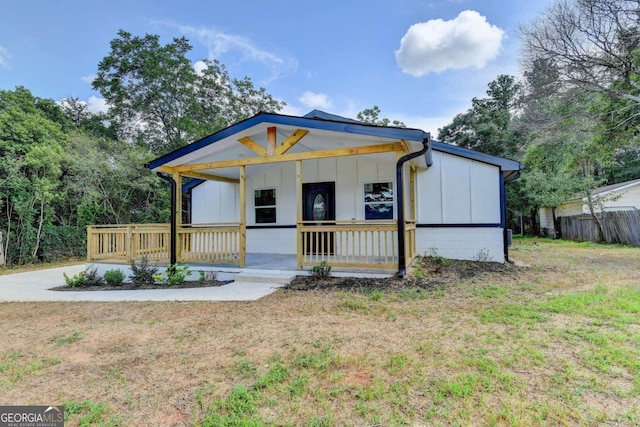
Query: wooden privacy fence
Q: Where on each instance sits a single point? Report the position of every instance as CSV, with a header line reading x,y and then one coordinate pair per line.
x,y
210,243
617,227
356,244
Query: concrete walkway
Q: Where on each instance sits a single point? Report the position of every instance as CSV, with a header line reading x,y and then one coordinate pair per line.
x,y
35,285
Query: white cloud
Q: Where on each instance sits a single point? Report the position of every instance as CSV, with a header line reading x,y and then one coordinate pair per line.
x,y
315,100
97,105
199,67
291,110
89,78
437,45
219,43
4,57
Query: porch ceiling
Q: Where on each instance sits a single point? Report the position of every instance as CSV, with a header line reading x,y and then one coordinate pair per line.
x,y
229,148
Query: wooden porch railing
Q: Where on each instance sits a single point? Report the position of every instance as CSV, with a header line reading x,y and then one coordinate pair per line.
x,y
128,242
211,243
355,244
207,243
409,240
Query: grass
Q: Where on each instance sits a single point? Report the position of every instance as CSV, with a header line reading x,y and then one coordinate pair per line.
x,y
554,341
40,266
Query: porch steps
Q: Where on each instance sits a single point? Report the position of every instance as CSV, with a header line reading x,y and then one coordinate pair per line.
x,y
275,277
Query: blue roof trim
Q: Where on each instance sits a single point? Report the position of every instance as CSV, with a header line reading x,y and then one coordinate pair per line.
x,y
352,127
505,164
192,184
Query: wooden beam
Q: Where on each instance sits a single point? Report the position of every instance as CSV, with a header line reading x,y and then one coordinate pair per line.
x,y
320,154
407,150
243,216
299,213
177,177
200,175
412,194
253,146
271,140
290,141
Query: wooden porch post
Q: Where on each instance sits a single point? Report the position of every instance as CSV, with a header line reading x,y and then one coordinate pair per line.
x,y
243,216
412,189
177,177
299,212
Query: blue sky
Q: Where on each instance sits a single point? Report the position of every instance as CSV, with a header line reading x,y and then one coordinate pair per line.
x,y
421,61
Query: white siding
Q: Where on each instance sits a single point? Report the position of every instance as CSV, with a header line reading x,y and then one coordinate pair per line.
x,y
546,220
569,209
458,191
630,197
214,201
461,243
272,240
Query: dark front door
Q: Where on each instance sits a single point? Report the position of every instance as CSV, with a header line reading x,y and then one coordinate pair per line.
x,y
319,204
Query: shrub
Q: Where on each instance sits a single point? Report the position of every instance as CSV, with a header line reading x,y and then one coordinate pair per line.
x,y
89,277
175,274
142,274
321,271
114,277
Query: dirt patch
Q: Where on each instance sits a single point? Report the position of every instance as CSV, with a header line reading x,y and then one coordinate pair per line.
x,y
131,286
426,273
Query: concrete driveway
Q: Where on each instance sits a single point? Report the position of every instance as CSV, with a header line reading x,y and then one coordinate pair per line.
x,y
35,285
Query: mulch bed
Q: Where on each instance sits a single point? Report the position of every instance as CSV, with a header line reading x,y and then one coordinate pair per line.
x,y
131,287
427,273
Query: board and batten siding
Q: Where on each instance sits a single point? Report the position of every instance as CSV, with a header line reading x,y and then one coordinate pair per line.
x,y
459,192
216,202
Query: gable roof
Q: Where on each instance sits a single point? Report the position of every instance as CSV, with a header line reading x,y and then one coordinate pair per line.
x,y
326,122
319,121
602,191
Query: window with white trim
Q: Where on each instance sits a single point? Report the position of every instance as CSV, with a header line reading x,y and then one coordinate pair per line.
x,y
264,202
378,200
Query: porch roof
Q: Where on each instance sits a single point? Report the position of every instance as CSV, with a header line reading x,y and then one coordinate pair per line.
x,y
326,131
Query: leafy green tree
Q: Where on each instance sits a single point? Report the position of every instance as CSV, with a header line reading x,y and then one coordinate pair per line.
x,y
487,125
31,150
157,99
372,116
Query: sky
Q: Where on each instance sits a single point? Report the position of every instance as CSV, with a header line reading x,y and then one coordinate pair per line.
x,y
420,61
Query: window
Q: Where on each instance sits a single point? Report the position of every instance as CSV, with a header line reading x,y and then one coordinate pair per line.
x,y
265,204
378,200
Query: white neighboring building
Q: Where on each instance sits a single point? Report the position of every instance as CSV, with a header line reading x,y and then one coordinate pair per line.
x,y
615,197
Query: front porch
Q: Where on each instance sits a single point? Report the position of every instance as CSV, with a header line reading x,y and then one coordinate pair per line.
x,y
343,245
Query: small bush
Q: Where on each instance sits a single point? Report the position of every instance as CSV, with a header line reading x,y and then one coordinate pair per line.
x,y
114,277
320,271
175,274
89,277
208,276
142,274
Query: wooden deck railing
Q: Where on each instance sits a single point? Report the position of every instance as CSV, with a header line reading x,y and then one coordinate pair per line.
x,y
211,243
356,244
128,242
208,243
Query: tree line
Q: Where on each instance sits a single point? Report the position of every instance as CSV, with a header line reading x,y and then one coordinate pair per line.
x,y
573,118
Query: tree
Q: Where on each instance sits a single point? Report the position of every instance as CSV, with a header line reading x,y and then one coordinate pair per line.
x,y
157,99
31,149
487,125
372,116
592,42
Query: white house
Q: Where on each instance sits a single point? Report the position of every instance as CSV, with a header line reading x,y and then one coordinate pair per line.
x,y
615,197
323,187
